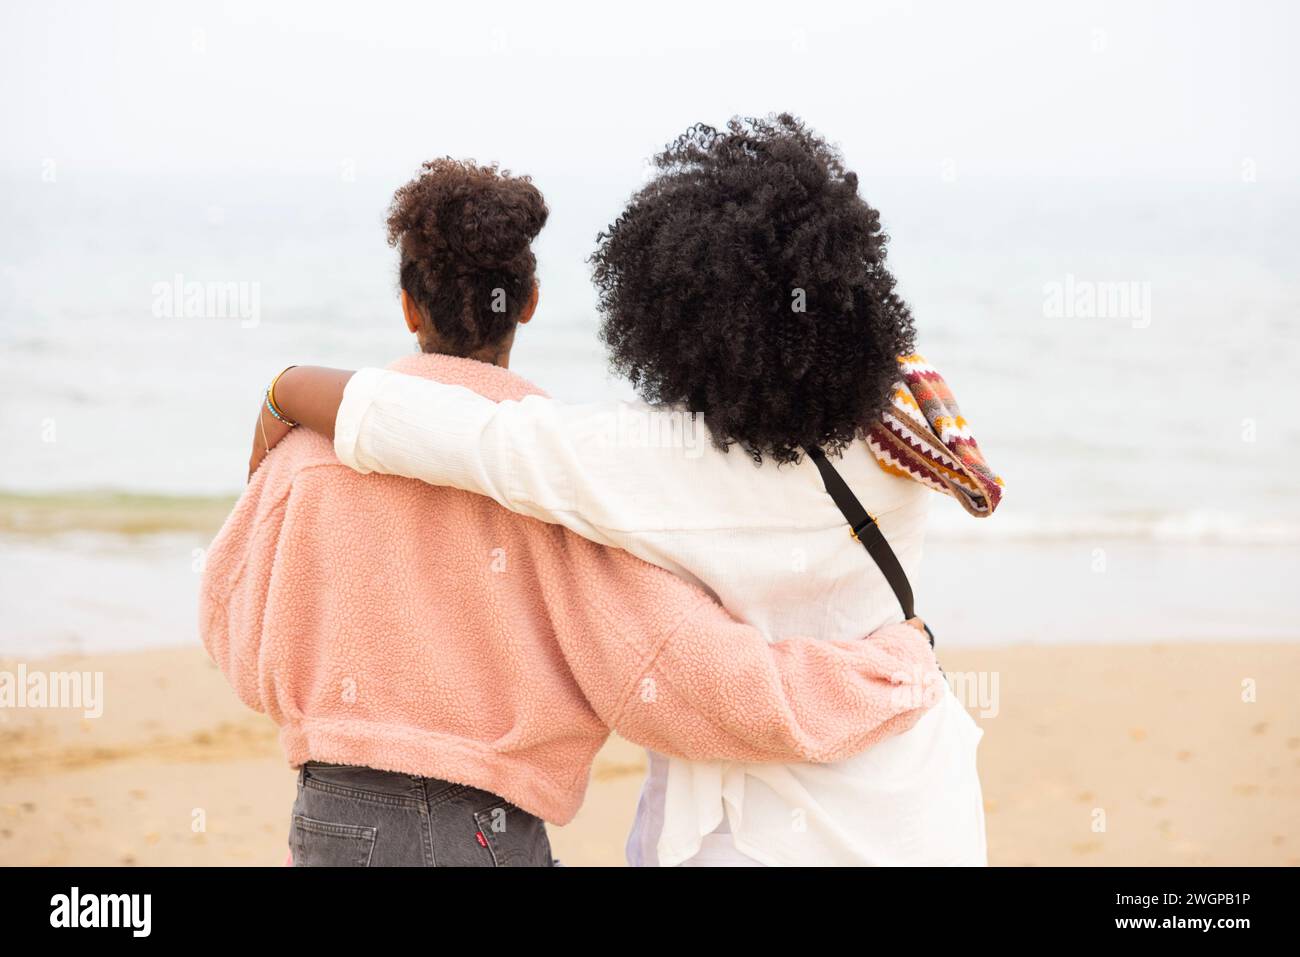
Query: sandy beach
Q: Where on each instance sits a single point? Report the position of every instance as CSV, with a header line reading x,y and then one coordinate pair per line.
x,y
1135,754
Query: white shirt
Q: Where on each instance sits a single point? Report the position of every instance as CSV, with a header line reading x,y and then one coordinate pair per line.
x,y
767,541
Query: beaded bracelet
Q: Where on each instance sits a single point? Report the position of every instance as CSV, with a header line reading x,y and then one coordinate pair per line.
x,y
270,400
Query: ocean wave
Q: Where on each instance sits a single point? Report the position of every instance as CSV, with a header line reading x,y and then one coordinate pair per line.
x,y
111,513
1191,527
132,513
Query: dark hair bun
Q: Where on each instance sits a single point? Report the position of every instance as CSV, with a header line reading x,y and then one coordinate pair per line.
x,y
466,232
479,215
490,228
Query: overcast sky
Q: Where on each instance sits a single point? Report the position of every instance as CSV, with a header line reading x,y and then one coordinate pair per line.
x,y
1126,89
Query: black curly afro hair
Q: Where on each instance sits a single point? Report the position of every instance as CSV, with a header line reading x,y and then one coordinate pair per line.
x,y
747,281
465,232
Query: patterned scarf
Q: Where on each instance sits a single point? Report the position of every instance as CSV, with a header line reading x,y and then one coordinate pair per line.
x,y
922,436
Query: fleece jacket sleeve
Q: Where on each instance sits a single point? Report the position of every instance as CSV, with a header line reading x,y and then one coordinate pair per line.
x,y
236,582
670,669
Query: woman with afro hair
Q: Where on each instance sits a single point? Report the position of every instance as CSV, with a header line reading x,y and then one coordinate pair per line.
x,y
744,292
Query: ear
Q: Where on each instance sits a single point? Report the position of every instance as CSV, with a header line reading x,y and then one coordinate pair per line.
x,y
410,313
531,306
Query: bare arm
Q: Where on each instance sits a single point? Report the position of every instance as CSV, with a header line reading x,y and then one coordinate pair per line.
x,y
307,395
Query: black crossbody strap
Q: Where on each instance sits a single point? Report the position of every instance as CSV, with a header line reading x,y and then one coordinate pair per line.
x,y
864,528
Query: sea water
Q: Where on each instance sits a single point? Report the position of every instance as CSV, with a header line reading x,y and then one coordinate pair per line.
x,y
1126,354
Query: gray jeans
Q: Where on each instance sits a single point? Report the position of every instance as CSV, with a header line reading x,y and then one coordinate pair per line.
x,y
359,817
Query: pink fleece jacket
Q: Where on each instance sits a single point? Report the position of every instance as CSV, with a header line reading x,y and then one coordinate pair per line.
x,y
383,622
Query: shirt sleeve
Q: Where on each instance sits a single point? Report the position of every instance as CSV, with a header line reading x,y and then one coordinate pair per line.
x,y
561,463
